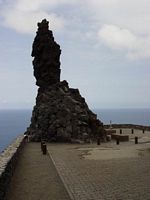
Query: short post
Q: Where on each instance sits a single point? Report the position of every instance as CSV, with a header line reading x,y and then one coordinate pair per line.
x,y
143,131
42,142
26,138
132,131
120,131
98,141
44,149
108,138
117,141
136,140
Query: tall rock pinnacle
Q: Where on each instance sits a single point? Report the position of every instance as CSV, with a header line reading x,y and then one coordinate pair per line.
x,y
46,53
60,113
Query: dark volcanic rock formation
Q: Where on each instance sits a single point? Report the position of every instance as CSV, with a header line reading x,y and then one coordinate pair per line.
x,y
60,113
46,53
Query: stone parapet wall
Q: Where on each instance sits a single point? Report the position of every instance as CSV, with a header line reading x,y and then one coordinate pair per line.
x,y
132,126
8,160
122,138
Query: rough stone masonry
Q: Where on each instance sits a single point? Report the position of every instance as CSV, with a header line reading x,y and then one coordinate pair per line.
x,y
60,113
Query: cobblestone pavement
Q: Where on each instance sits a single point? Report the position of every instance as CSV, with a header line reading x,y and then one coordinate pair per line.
x,y
113,179
35,177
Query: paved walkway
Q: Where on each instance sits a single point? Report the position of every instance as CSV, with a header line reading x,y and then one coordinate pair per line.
x,y
126,178
88,172
36,178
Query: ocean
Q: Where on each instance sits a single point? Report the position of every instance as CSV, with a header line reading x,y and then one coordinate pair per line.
x,y
124,116
14,122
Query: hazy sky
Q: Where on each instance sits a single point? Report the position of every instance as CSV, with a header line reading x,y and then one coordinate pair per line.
x,y
105,50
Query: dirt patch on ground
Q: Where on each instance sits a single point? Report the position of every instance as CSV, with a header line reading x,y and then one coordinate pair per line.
x,y
107,153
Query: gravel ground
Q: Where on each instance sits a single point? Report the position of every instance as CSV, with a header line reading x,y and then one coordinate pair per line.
x,y
36,178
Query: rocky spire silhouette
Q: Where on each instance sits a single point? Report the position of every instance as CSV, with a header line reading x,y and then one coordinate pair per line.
x,y
60,113
46,53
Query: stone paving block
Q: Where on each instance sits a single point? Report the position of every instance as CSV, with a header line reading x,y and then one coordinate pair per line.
x,y
115,179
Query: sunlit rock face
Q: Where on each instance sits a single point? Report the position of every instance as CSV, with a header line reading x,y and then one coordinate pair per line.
x,y
60,113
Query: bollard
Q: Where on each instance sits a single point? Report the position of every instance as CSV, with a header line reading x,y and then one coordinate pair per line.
x,y
41,145
42,142
136,140
143,131
132,131
44,149
108,138
98,141
120,131
117,141
26,138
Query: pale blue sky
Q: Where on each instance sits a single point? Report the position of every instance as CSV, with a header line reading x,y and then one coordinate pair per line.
x,y
105,50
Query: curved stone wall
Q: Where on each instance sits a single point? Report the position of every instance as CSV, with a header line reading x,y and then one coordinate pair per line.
x,y
8,160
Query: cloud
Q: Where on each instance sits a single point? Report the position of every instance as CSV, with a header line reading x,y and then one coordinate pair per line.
x,y
122,39
121,25
25,22
116,38
34,5
98,4
22,15
133,15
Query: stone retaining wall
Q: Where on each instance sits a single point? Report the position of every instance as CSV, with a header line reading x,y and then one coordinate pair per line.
x,y
8,159
110,131
132,126
122,138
